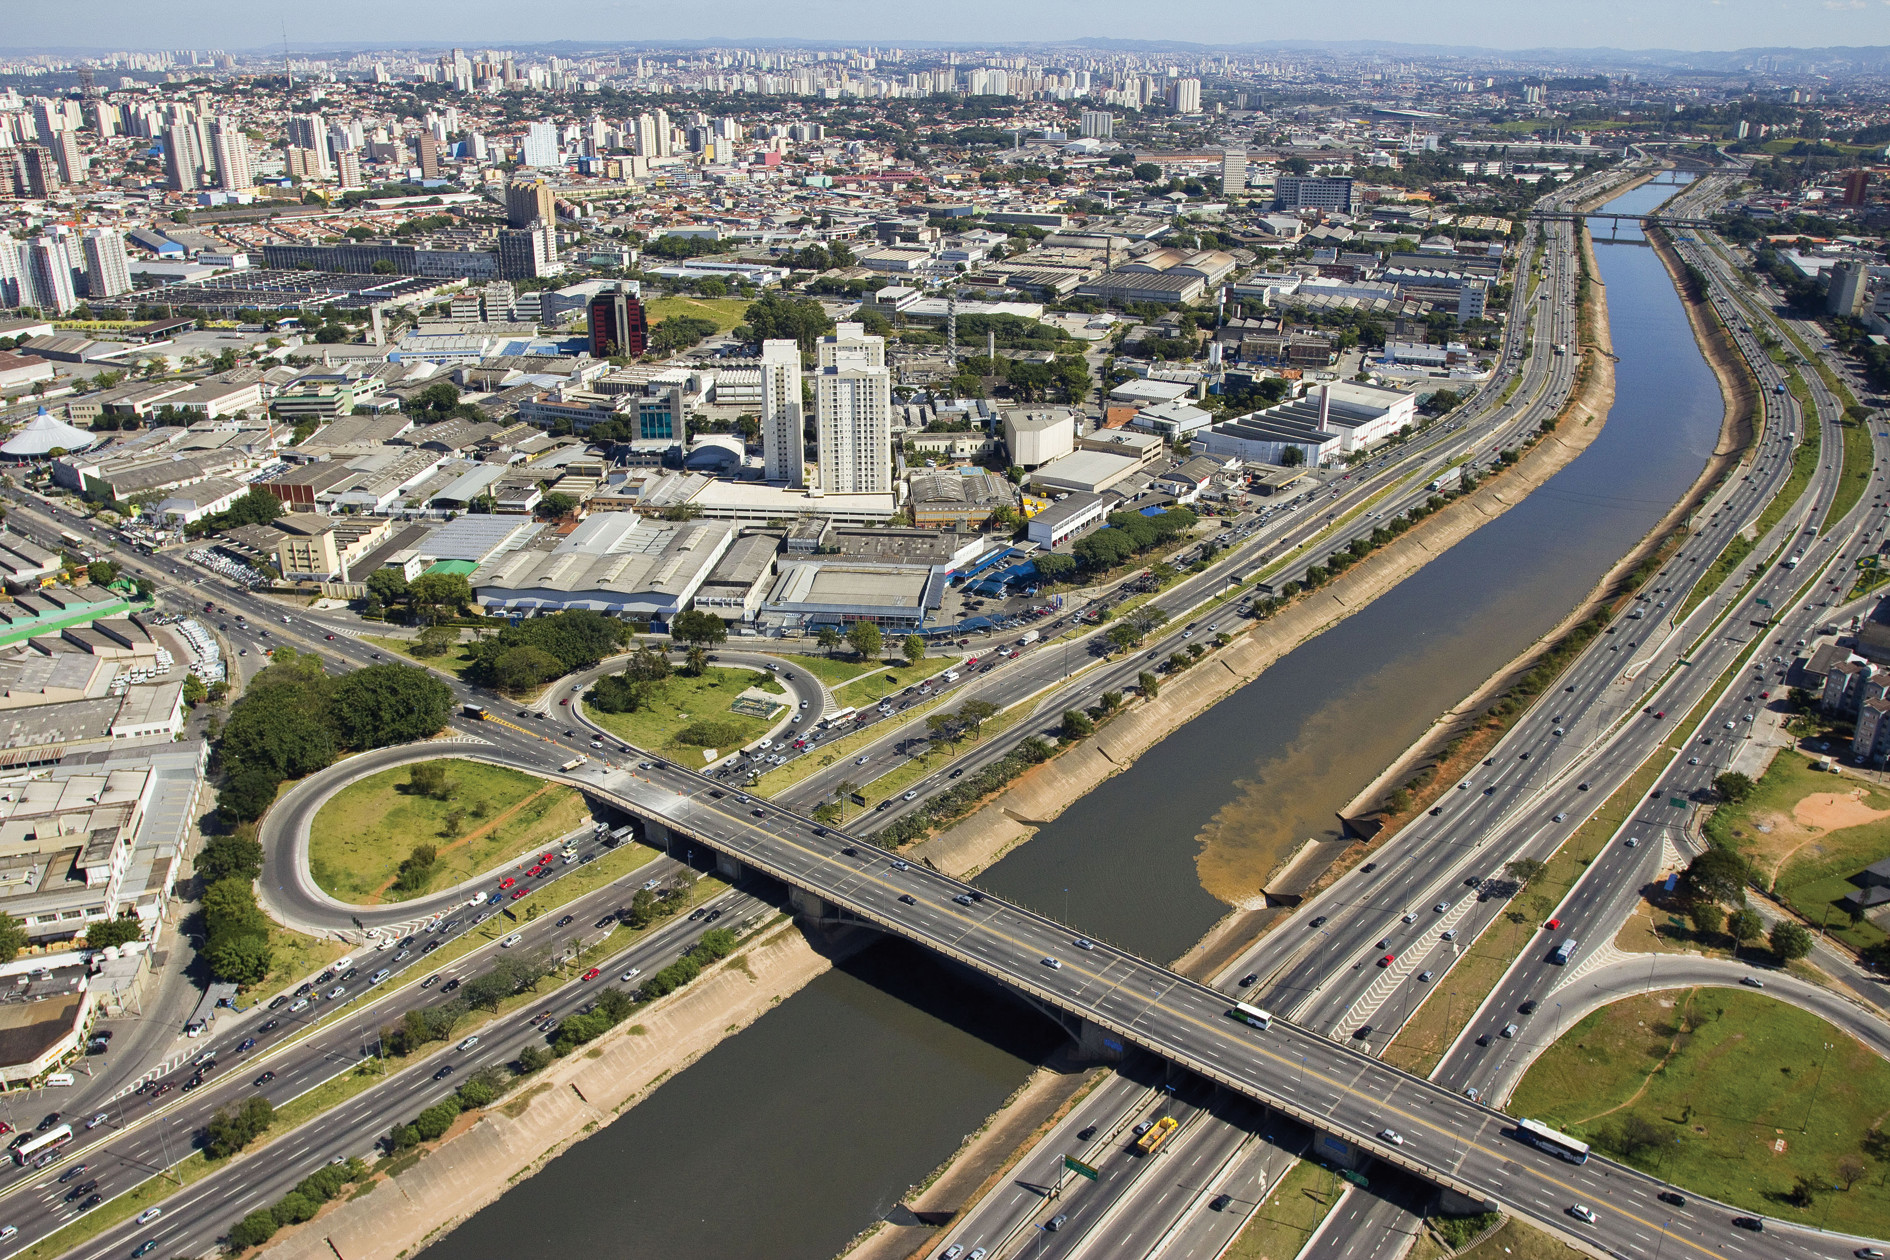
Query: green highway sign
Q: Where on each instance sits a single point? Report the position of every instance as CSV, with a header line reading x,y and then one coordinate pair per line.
x,y
1763,602
1677,802
1078,1167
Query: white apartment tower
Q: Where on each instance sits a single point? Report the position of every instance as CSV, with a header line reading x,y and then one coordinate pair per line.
x,y
310,131
51,272
231,146
783,446
853,409
107,270
1233,172
183,158
1099,124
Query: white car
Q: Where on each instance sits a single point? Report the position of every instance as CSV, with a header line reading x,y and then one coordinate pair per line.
x,y
1582,1212
469,1043
511,940
1391,1136
627,976
149,1214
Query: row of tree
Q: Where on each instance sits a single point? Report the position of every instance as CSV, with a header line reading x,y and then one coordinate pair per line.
x,y
1129,534
520,658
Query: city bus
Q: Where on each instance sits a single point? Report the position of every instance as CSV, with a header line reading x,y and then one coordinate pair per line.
x,y
839,717
1251,1015
1542,1137
41,1144
1151,1141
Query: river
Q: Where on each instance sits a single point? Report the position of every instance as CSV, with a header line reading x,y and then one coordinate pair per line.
x,y
788,1139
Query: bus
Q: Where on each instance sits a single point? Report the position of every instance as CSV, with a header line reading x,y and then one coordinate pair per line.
x,y
42,1144
1542,1137
839,717
71,539
1249,1014
1149,1142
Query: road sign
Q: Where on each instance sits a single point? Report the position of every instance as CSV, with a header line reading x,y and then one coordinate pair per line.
x,y
1763,603
1677,802
1078,1167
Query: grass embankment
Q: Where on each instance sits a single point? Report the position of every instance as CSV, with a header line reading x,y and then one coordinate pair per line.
x,y
1513,1241
898,779
726,312
454,662
1421,1043
876,686
1728,1093
1854,479
688,715
1295,1205
1810,833
361,836
1731,557
838,670
1804,463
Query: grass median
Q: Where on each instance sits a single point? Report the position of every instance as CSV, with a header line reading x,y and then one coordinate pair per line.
x,y
1293,1209
1728,1093
454,661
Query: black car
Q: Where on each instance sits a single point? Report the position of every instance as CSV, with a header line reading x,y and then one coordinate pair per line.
x,y
606,921
450,986
91,1202
1320,921
908,900
1362,1032
279,1001
1368,868
52,1118
1219,1202
1247,980
1752,1223
263,1080
1668,1196
1085,1133
445,1072
1529,1007
566,919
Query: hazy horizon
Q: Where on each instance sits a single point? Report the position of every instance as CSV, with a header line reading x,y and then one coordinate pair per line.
x,y
1680,25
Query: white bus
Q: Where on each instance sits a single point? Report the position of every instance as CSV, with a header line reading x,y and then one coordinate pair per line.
x,y
1251,1015
839,717
1544,1138
42,1143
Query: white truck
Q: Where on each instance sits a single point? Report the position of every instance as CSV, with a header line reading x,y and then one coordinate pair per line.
x,y
1029,637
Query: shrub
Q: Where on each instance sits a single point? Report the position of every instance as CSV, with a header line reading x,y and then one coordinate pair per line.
x,y
253,1230
294,1208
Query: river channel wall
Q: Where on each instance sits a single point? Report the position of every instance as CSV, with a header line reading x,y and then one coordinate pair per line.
x,y
563,1104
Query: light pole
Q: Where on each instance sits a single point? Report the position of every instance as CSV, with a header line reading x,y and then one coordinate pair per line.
x,y
1816,1081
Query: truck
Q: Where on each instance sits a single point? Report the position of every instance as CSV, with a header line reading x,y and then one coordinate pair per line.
x,y
1162,1130
477,712
1563,952
1029,637
1561,348
574,763
1446,480
1791,562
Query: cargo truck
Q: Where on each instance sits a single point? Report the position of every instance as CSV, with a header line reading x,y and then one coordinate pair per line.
x,y
475,711
1029,637
1151,1141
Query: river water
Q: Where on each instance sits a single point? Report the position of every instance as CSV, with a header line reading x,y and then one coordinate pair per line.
x,y
788,1139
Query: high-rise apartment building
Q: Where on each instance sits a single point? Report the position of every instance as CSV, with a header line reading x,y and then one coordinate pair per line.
x,y
540,147
68,157
107,270
42,170
527,252
529,201
49,268
616,323
1098,124
348,169
1845,296
231,147
783,434
183,159
1317,192
1184,96
853,413
309,131
429,147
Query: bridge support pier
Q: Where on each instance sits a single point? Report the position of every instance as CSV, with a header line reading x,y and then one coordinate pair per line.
x,y
729,868
810,906
1097,1043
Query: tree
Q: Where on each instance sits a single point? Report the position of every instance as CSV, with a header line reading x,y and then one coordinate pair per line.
x,y
381,705
237,856
1292,457
102,572
435,595
253,1230
974,714
1708,918
436,641
1076,724
698,627
914,649
1718,874
108,932
195,693
387,585
12,938
1150,685
1636,1134
1851,1169
828,638
695,661
1525,871
1744,925
1790,940
230,1129
524,668
865,638
1733,786
1122,636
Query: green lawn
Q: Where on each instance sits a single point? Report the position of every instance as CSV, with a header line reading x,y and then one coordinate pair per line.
x,y
726,312
874,687
1855,478
1295,1205
1811,864
1804,463
361,835
453,662
1740,1094
840,668
687,716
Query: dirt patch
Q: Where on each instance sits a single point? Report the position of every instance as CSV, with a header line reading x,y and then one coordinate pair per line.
x,y
1833,811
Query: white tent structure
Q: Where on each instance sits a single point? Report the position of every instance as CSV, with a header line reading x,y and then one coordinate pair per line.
x,y
41,435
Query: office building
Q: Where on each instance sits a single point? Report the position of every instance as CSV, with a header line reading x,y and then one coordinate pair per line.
x,y
527,252
853,412
1233,172
617,325
1098,124
783,440
540,147
231,147
1846,294
1471,301
309,131
429,148
1315,192
529,202
107,270
1184,96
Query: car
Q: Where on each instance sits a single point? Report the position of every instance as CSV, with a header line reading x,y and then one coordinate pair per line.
x,y
1582,1212
1055,964
149,1214
900,864
518,892
1219,1202
1392,1136
1387,960
445,1072
564,921
952,1252
1320,921
1247,980
268,1025
1362,1032
1553,924
1752,982
469,1043
1753,1223
1865,1253
144,1248
248,1043
592,974
907,899
70,1173
1410,916
1085,1133
1680,1200
506,883
1083,942
1440,907
963,899
340,990
1424,977
1509,1030
511,940
280,1000
1562,817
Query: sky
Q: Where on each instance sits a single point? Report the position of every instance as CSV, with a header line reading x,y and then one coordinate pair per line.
x,y
238,25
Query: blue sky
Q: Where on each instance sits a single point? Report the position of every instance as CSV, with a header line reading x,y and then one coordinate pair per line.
x,y
239,24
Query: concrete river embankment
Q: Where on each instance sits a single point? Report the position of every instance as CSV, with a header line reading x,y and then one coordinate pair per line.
x,y
792,1136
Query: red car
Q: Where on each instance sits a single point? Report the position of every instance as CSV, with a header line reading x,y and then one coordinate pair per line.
x,y
592,974
1387,960
1553,924
506,883
1659,715
566,700
328,636
545,859
517,893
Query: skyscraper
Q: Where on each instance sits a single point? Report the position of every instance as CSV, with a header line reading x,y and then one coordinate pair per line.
x,y
231,147
853,410
783,439
107,271
540,147
348,169
50,270
42,172
309,131
527,252
429,147
1184,96
183,160
1099,124
617,323
1233,172
529,201
67,156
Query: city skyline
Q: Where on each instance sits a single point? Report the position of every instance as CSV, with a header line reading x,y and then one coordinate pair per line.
x,y
1691,26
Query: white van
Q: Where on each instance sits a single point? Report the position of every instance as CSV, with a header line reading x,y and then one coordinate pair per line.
x,y
59,1078
951,675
